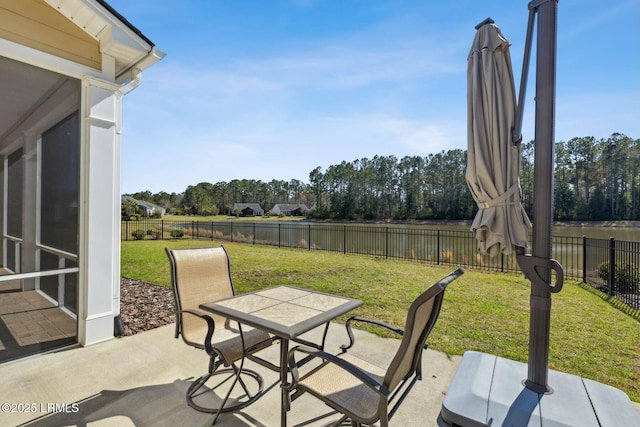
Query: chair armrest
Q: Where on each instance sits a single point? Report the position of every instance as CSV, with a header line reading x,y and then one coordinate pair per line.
x,y
352,339
330,358
211,326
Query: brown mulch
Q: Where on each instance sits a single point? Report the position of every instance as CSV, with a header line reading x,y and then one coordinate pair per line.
x,y
144,306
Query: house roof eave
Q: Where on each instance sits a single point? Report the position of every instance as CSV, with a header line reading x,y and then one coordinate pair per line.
x,y
118,38
125,21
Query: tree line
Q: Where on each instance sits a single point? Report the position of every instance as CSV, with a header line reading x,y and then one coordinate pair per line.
x,y
594,180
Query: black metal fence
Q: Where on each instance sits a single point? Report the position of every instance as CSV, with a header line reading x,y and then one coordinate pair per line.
x,y
609,265
613,266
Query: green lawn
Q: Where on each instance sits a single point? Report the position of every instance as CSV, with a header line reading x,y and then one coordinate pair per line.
x,y
482,311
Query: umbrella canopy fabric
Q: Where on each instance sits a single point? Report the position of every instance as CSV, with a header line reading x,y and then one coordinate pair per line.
x,y
493,161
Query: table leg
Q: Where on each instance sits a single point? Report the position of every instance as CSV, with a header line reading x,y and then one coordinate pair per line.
x,y
284,371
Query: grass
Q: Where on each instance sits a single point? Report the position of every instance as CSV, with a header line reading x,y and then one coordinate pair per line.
x,y
482,311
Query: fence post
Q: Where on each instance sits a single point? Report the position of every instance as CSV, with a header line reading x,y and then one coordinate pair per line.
x,y
254,233
344,239
386,242
309,235
584,259
279,234
612,264
438,248
162,229
126,231
212,233
231,232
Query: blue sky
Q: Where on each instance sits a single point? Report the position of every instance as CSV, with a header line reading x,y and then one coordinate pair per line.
x,y
271,89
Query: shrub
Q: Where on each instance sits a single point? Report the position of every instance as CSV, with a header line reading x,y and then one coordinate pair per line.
x,y
154,234
138,234
446,256
627,276
176,233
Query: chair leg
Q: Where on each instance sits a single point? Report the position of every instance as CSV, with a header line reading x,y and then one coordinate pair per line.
x,y
342,420
197,391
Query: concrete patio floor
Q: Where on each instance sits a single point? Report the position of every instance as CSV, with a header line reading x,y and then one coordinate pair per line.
x,y
141,380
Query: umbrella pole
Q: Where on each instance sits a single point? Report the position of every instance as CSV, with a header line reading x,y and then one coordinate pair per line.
x,y
540,301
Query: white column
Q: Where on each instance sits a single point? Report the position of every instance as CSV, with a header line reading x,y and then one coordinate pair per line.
x,y
99,254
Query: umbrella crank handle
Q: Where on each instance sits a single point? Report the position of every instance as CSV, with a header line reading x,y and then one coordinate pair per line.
x,y
529,265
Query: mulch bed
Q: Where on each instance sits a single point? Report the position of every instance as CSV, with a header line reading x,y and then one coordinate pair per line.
x,y
145,306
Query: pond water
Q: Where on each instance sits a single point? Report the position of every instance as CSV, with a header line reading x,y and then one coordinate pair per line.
x,y
627,230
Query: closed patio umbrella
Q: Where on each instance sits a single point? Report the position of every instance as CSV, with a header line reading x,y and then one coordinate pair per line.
x,y
493,162
494,121
487,389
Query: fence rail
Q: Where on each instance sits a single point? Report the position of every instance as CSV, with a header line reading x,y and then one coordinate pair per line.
x,y
609,265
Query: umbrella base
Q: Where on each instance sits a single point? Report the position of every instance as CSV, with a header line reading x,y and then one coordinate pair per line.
x,y
488,391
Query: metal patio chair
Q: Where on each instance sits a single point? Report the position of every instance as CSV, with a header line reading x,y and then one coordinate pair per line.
x,y
361,391
202,275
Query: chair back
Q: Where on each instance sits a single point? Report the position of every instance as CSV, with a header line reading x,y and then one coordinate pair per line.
x,y
421,318
198,275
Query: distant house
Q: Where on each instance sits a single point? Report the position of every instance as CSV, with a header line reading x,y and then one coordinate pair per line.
x,y
148,209
248,209
289,209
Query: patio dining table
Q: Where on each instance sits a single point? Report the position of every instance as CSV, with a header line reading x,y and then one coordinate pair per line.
x,y
286,312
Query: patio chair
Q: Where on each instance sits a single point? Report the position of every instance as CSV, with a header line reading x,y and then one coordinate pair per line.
x,y
202,275
359,390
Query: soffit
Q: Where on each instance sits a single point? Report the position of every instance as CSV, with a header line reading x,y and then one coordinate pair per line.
x,y
118,38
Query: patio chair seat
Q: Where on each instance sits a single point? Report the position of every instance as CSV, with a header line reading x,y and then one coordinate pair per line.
x,y
345,390
228,344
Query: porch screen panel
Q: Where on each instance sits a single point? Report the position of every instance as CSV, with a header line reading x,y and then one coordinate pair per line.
x,y
60,181
49,284
71,289
15,196
14,193
11,258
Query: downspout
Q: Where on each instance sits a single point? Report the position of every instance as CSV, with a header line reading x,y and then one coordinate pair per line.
x,y
133,83
136,76
118,323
